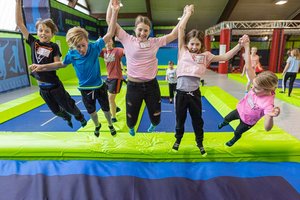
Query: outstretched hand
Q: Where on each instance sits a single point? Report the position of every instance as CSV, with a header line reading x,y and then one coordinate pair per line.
x,y
275,112
244,40
115,5
34,67
188,9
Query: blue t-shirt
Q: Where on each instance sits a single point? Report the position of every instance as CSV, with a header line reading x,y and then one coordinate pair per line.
x,y
87,67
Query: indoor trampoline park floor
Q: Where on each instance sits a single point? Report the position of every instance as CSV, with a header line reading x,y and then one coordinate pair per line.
x,y
41,153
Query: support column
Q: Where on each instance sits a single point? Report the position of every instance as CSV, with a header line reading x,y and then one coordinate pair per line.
x,y
207,42
224,47
277,44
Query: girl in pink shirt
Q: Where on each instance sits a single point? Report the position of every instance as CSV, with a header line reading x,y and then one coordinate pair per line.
x,y
140,52
258,102
191,66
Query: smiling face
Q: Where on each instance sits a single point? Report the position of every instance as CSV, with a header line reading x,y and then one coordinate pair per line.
x,y
194,45
142,32
44,33
82,47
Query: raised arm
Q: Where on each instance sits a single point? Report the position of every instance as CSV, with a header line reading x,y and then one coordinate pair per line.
x,y
188,11
19,19
109,14
227,55
246,43
115,7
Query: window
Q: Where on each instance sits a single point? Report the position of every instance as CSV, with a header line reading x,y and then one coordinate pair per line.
x,y
7,15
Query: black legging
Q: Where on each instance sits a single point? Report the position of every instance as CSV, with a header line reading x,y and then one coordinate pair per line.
x,y
292,77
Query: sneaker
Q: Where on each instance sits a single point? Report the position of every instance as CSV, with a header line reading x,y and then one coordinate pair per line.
x,y
151,128
202,82
221,125
229,143
176,146
112,130
97,130
83,122
202,151
118,109
132,132
114,120
69,122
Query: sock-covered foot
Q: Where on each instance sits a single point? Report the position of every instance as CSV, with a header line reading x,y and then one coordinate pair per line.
x,y
114,120
83,122
97,130
222,124
132,132
112,130
151,128
118,109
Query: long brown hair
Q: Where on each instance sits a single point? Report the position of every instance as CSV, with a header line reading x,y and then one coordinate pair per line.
x,y
195,34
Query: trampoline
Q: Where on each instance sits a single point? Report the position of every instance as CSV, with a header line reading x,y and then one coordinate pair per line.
x,y
51,163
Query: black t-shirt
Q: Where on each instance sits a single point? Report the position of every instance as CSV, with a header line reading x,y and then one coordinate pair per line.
x,y
44,53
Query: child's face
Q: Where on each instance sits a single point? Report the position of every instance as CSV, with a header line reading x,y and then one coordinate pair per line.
x,y
82,47
253,50
142,31
194,45
44,33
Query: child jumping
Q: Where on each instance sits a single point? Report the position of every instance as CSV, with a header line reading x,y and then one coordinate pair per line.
x,y
83,55
192,63
44,51
258,102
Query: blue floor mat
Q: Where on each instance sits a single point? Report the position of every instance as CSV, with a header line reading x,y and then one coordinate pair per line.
x,y
146,180
210,116
42,119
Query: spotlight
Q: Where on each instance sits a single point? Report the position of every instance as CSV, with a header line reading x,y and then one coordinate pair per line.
x,y
280,2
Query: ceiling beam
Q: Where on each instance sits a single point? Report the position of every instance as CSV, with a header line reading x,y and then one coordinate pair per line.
x,y
228,10
120,15
148,7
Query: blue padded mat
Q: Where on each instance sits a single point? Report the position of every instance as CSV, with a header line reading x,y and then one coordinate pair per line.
x,y
42,119
210,116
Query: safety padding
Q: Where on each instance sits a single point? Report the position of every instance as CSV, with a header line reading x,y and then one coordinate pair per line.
x,y
255,145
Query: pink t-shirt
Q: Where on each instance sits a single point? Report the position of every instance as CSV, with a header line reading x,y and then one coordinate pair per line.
x,y
141,56
193,64
112,60
252,107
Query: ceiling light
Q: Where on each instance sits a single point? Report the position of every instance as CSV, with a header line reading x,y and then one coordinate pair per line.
x,y
280,2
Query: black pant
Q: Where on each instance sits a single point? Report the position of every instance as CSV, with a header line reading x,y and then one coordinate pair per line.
x,y
189,101
60,102
89,98
136,93
172,89
292,77
241,128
